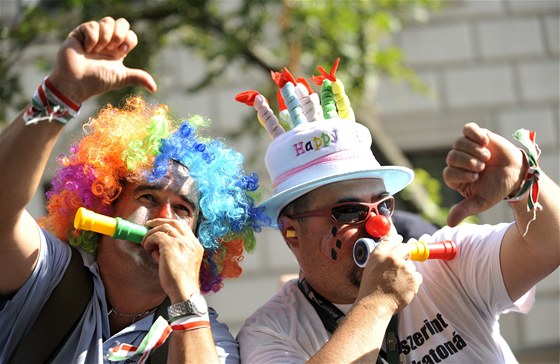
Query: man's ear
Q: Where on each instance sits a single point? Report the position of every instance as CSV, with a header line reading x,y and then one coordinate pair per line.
x,y
288,230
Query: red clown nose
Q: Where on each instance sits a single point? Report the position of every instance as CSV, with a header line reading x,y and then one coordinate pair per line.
x,y
378,226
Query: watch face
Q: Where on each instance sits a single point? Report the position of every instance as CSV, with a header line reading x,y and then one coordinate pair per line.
x,y
198,304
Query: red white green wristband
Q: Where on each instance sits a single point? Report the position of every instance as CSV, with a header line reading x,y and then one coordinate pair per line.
x,y
156,336
530,186
48,104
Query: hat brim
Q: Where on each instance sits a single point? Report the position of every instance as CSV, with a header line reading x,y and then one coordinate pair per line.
x,y
395,179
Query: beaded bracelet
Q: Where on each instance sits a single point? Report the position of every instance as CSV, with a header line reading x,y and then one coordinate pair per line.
x,y
531,183
48,104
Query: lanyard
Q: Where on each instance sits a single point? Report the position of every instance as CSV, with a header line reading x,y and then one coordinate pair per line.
x,y
330,315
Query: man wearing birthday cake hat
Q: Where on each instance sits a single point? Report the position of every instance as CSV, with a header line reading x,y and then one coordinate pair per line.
x,y
332,196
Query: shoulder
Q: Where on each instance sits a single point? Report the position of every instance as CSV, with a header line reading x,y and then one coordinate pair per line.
x,y
474,275
279,311
226,345
18,312
473,235
220,331
289,326
285,297
54,249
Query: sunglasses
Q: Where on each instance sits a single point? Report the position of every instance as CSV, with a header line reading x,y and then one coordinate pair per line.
x,y
352,212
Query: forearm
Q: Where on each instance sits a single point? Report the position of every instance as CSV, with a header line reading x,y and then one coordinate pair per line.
x,y
527,258
24,152
194,346
540,231
189,345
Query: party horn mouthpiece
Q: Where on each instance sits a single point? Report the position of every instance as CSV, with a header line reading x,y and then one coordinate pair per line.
x,y
114,227
419,250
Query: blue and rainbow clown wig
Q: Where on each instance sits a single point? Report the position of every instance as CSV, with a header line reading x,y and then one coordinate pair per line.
x,y
140,141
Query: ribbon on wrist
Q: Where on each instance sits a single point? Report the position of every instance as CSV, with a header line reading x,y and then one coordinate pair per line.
x,y
156,336
48,104
531,183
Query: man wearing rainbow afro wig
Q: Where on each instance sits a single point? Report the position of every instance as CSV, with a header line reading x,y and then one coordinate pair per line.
x,y
139,144
159,214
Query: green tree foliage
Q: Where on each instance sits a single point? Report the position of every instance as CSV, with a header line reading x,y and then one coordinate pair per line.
x,y
263,34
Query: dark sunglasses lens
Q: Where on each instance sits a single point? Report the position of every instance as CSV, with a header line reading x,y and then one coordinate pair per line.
x,y
386,207
349,213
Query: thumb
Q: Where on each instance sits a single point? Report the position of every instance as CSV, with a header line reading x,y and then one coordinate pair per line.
x,y
467,207
138,77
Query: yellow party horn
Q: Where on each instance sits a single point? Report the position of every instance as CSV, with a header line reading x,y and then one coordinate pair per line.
x,y
419,250
114,227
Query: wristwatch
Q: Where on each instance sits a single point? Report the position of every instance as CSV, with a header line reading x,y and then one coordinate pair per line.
x,y
194,306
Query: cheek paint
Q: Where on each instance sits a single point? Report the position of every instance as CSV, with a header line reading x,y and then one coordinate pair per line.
x,y
331,246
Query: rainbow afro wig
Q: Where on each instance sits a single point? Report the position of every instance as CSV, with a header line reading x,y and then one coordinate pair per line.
x,y
139,141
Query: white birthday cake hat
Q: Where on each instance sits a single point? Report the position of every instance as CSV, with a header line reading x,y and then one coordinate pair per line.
x,y
317,140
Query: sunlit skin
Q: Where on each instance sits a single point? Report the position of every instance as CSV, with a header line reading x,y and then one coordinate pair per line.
x,y
173,197
325,256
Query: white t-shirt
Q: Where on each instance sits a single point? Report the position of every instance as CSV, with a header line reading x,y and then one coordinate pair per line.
x,y
453,319
91,339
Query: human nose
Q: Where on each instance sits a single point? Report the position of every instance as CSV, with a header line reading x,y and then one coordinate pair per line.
x,y
164,211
